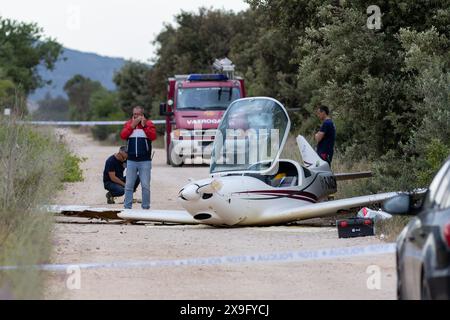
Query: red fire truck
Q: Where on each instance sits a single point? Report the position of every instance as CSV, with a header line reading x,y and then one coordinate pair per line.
x,y
195,105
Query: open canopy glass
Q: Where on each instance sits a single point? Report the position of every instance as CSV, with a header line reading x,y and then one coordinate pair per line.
x,y
250,136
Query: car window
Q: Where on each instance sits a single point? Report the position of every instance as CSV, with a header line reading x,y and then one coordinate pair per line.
x,y
442,193
442,189
435,185
446,203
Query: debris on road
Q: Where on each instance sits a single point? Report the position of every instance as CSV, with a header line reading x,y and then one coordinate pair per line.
x,y
373,214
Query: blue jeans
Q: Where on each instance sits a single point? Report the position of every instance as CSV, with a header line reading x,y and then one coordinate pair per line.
x,y
117,190
144,169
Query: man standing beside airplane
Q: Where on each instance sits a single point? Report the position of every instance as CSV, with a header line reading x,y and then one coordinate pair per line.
x,y
140,133
326,136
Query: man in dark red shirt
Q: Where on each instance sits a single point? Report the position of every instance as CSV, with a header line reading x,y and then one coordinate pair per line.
x,y
139,132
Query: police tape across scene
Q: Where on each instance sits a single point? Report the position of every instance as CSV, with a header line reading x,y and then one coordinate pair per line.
x,y
287,256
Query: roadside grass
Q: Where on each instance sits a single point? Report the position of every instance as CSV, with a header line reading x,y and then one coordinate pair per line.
x,y
25,241
391,228
33,165
351,188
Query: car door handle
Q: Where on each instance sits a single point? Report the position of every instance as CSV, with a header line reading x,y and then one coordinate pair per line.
x,y
412,238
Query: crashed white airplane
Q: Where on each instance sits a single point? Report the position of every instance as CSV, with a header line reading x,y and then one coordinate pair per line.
x,y
249,185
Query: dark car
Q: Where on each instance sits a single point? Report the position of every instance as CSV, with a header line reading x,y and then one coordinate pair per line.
x,y
423,247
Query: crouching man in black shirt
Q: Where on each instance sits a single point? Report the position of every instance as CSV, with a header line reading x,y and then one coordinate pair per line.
x,y
113,178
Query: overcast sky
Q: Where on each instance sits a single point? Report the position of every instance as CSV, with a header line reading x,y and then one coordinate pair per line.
x,y
117,28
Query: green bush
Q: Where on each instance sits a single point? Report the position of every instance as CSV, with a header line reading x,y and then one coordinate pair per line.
x,y
435,155
71,166
105,107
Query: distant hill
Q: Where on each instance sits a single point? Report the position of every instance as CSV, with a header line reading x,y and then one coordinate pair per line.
x,y
89,65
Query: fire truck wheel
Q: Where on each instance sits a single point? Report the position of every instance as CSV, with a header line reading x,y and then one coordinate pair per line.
x,y
174,159
167,149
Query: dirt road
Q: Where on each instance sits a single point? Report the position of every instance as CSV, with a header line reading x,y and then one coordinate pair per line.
x,y
94,242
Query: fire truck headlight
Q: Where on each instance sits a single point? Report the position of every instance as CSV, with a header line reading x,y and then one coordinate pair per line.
x,y
179,134
176,134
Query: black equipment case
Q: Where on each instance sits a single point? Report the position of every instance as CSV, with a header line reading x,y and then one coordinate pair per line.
x,y
355,227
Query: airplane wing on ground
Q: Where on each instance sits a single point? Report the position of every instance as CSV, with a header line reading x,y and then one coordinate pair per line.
x,y
85,212
323,209
271,216
164,216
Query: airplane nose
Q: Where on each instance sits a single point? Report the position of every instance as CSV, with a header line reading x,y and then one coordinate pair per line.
x,y
190,193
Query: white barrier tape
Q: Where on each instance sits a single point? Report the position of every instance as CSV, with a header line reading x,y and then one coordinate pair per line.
x,y
290,256
83,123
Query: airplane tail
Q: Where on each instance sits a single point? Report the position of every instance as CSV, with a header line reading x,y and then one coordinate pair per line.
x,y
310,157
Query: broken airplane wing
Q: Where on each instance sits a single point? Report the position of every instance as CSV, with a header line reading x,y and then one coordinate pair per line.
x,y
163,216
323,209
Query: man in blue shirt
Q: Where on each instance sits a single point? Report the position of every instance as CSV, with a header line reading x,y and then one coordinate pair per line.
x,y
113,178
326,136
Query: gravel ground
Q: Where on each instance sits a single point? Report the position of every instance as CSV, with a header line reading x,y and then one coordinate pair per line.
x,y
80,241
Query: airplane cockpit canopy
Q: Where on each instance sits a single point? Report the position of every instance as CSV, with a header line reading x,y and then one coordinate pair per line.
x,y
250,137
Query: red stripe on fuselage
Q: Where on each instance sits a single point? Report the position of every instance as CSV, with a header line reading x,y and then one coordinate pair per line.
x,y
286,192
298,195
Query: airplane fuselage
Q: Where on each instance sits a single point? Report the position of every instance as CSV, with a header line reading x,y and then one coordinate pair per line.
x,y
239,200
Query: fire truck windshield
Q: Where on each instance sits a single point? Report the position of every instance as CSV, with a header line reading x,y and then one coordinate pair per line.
x,y
211,98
